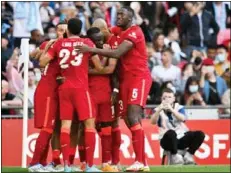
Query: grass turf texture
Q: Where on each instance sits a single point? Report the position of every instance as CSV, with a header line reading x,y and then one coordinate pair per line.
x,y
215,168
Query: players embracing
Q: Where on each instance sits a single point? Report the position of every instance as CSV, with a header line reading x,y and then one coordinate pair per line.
x,y
134,79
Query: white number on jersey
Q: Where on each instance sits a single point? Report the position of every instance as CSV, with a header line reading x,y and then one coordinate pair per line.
x,y
65,55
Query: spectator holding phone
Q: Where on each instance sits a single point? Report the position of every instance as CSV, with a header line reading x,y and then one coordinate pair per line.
x,y
213,86
173,133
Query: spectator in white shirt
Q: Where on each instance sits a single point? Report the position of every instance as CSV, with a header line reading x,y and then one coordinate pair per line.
x,y
158,45
171,40
47,14
167,71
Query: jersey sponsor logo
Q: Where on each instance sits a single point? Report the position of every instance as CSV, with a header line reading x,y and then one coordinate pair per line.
x,y
133,34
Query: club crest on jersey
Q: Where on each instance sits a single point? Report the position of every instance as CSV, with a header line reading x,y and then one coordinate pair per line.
x,y
133,34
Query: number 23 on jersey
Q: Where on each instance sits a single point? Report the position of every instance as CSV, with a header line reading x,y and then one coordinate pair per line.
x,y
65,54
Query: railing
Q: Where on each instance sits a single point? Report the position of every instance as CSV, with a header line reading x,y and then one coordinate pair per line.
x,y
219,108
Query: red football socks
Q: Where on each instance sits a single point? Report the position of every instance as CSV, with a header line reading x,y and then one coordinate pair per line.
x,y
106,144
137,141
144,154
82,153
43,159
41,145
55,157
89,145
116,141
65,145
72,155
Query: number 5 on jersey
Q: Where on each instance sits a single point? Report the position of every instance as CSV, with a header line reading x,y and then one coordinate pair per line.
x,y
65,54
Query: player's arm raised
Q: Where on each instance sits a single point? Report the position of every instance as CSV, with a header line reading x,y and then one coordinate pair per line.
x,y
123,48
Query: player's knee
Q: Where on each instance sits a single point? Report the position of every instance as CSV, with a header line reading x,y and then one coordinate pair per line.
x,y
134,114
115,124
106,124
66,124
48,130
89,123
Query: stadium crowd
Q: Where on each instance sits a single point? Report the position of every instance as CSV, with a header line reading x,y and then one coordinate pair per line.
x,y
188,45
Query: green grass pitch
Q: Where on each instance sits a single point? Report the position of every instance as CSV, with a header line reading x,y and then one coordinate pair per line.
x,y
215,168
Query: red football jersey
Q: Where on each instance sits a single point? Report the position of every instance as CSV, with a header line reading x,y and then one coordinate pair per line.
x,y
51,71
134,62
74,65
102,82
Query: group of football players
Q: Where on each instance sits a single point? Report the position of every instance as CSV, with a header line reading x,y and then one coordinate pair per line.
x,y
88,84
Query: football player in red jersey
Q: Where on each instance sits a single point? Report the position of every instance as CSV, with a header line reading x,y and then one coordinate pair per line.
x,y
45,108
135,79
100,88
110,68
73,93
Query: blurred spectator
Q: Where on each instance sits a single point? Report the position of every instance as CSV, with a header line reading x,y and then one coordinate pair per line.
x,y
169,85
221,62
171,40
197,24
221,11
51,33
35,39
6,53
192,95
83,16
31,85
187,71
213,86
47,14
158,45
151,59
226,76
8,99
154,94
13,76
167,71
114,9
7,14
26,19
211,52
226,100
141,20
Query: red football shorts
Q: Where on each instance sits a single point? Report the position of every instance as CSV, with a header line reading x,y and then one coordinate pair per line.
x,y
75,100
45,107
103,106
133,91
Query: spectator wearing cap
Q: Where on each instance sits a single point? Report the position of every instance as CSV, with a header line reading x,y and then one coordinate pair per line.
x,y
213,86
221,60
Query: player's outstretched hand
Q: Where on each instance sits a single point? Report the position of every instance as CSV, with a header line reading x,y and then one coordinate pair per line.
x,y
82,49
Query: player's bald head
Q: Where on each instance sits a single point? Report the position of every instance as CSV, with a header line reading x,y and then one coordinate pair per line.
x,y
100,23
